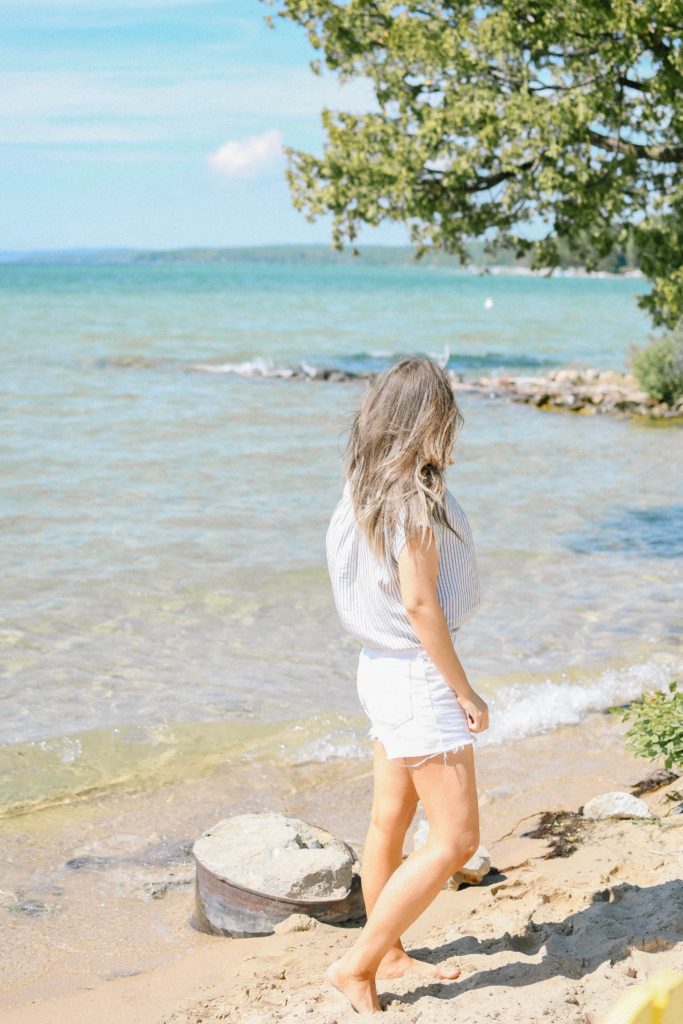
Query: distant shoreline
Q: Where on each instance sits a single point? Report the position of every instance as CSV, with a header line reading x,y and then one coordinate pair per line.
x,y
305,255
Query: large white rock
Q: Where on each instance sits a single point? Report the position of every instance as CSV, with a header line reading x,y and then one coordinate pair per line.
x,y
278,856
616,805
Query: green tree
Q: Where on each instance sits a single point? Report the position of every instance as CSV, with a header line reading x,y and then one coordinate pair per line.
x,y
490,117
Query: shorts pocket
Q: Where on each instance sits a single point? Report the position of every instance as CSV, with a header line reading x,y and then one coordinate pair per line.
x,y
385,691
443,698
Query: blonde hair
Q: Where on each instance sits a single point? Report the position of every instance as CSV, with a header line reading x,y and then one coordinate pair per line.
x,y
400,443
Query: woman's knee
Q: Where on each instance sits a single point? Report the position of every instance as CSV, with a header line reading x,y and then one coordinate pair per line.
x,y
453,851
393,817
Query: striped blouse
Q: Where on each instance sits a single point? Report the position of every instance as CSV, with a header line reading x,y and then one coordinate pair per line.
x,y
367,592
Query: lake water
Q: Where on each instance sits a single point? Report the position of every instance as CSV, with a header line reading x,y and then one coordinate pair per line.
x,y
165,599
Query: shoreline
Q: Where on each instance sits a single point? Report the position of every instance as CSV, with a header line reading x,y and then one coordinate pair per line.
x,y
585,390
117,874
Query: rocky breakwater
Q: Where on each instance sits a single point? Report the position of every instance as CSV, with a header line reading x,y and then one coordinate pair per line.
x,y
588,391
583,390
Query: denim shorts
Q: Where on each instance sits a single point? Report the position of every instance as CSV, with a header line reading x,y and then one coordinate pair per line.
x,y
412,709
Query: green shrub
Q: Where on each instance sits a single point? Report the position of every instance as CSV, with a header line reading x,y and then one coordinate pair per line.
x,y
658,368
657,730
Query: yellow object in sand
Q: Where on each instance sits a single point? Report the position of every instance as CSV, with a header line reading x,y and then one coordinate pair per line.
x,y
656,1001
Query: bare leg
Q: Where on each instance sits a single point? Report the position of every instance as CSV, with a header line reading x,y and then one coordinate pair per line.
x,y
449,796
393,809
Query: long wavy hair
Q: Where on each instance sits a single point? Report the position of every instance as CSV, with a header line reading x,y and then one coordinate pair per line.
x,y
400,443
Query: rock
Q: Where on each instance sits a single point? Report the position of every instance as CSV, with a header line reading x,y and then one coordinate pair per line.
x,y
616,805
476,868
667,800
295,923
421,834
30,908
157,890
655,780
253,871
278,856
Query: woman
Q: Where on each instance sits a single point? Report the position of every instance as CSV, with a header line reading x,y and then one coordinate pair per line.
x,y
404,578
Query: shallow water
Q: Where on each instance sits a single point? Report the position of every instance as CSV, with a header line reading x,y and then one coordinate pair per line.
x,y
165,599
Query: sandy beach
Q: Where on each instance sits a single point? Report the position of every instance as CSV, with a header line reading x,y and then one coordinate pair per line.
x,y
540,938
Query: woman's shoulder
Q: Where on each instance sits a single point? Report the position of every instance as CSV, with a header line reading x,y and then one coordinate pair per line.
x,y
456,514
341,511
452,503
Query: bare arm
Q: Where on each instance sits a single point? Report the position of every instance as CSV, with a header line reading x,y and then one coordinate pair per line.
x,y
418,566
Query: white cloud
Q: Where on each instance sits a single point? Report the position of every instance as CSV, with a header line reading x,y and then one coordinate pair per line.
x,y
244,159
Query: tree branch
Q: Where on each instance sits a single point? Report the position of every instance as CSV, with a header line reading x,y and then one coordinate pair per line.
x,y
482,183
661,154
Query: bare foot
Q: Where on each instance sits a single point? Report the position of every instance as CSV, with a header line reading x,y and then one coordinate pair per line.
x,y
360,992
396,963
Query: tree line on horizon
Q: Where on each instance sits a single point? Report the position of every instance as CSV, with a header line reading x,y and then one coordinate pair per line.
x,y
478,256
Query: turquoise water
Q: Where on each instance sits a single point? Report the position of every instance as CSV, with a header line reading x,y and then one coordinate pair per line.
x,y
164,516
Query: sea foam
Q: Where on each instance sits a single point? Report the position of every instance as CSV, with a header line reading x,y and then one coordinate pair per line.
x,y
525,709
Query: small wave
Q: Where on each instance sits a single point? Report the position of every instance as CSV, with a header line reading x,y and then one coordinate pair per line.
x,y
257,367
526,709
366,364
336,368
333,745
262,367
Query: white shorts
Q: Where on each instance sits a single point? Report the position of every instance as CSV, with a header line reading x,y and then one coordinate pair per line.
x,y
412,709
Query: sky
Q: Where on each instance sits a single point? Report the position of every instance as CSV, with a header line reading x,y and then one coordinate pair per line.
x,y
157,124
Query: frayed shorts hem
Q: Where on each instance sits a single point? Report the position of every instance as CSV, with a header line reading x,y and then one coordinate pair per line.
x,y
427,757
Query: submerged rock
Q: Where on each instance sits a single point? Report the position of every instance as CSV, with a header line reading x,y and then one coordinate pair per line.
x,y
29,908
616,805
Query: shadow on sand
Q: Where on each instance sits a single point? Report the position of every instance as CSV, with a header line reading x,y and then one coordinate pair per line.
x,y
620,918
